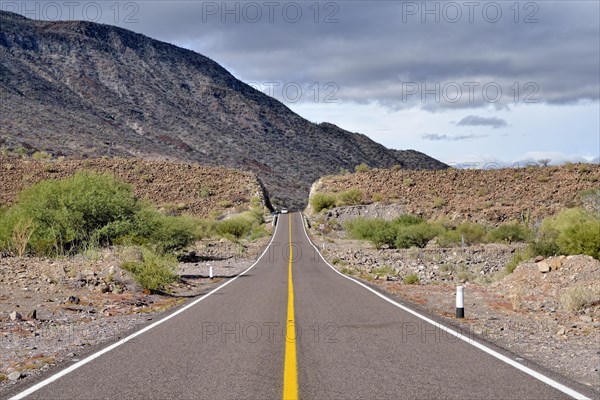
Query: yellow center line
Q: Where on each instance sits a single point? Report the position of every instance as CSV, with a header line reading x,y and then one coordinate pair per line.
x,y
290,373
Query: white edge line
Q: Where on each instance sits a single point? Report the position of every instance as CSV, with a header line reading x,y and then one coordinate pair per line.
x,y
549,381
113,346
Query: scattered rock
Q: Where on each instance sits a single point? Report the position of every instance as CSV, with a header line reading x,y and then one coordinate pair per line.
x,y
32,314
555,263
73,300
539,258
14,376
586,318
543,267
15,316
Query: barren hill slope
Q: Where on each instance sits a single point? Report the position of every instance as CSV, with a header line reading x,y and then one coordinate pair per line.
x,y
86,90
177,187
489,197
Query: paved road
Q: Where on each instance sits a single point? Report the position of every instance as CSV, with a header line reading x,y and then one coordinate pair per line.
x,y
348,343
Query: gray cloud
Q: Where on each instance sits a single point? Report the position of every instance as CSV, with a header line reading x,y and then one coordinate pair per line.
x,y
447,138
474,120
382,52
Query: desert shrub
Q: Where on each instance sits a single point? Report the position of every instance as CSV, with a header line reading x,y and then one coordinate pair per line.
x,y
509,233
246,225
473,232
154,271
439,202
322,201
377,197
403,232
377,231
411,279
544,247
590,200
362,168
574,231
204,193
65,216
41,155
151,228
518,257
385,270
350,197
577,298
417,235
236,227
407,219
66,213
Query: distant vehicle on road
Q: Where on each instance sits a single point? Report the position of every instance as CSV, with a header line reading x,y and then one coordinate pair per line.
x,y
284,210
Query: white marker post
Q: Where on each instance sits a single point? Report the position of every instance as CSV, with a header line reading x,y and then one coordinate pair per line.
x,y
460,302
210,273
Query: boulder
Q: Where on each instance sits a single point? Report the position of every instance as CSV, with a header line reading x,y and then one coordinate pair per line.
x,y
543,267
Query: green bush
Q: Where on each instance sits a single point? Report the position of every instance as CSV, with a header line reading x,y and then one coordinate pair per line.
x,y
546,248
417,235
403,232
236,227
322,201
407,220
350,197
518,257
362,168
41,155
472,232
246,225
68,215
573,231
155,271
412,279
378,231
510,233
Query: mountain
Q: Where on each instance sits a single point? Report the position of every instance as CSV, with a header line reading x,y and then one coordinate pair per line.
x,y
81,89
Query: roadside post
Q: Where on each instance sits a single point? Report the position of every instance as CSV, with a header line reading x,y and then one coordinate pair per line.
x,y
460,302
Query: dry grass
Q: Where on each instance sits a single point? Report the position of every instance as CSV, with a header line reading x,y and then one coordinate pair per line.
x,y
577,298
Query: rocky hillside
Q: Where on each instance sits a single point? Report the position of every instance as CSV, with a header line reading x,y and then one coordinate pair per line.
x,y
176,187
81,89
489,197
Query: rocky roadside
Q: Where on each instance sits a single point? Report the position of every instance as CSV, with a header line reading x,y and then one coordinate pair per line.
x,y
54,310
547,312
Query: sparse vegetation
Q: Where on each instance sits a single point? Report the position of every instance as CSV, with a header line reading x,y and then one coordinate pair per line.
x,y
154,272
362,168
510,233
350,197
439,202
411,279
573,231
577,298
544,161
322,201
41,155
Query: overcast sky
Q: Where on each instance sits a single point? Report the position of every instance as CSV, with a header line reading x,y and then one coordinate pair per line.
x,y
463,81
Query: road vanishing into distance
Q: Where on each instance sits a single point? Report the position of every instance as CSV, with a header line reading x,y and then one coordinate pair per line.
x,y
290,327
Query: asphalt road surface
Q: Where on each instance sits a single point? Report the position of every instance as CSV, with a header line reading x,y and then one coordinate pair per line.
x,y
291,326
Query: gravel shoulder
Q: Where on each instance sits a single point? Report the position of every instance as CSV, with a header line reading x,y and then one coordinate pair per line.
x,y
528,312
